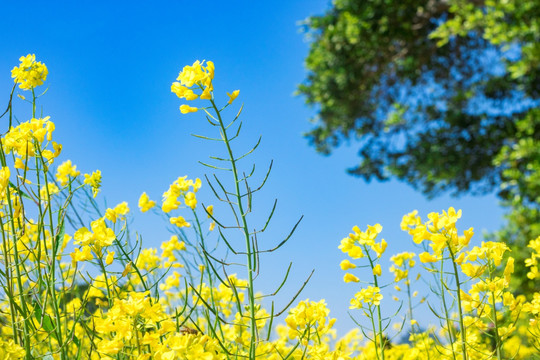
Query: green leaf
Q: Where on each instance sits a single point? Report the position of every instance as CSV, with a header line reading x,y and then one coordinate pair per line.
x,y
19,191
45,320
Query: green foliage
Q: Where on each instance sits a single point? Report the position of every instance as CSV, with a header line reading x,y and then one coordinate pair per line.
x,y
429,59
442,94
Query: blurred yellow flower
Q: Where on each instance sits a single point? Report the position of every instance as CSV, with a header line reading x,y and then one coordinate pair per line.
x,y
233,96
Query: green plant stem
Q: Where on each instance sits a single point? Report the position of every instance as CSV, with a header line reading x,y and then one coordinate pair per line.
x,y
249,253
52,267
210,278
408,283
379,316
374,332
23,307
498,343
460,309
445,307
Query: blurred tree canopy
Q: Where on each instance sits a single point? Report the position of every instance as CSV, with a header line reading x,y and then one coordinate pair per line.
x,y
442,94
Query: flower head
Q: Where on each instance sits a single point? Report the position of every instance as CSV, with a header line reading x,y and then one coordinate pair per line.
x,y
370,295
30,73
233,96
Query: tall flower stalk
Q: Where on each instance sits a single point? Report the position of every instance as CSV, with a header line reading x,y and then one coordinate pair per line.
x,y
199,78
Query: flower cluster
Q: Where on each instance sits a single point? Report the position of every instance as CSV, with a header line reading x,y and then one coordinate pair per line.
x,y
30,73
401,264
27,140
532,262
101,294
308,315
440,230
370,296
199,76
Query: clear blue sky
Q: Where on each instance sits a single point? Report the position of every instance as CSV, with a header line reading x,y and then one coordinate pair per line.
x,y
110,69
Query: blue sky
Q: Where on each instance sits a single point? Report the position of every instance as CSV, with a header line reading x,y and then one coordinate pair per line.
x,y
110,69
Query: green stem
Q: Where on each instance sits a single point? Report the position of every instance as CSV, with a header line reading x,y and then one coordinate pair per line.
x,y
52,266
461,324
24,308
445,307
498,343
379,316
249,253
375,334
210,278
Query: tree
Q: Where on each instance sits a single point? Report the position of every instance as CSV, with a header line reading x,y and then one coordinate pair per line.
x,y
403,81
443,94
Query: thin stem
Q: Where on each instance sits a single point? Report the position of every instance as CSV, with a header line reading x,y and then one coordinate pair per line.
x,y
498,343
445,307
379,316
461,324
249,253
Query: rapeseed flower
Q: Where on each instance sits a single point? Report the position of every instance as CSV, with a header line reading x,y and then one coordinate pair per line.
x,y
370,296
145,203
94,181
233,96
30,73
65,172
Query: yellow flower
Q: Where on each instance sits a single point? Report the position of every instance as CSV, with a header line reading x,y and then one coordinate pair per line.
x,y
110,215
11,351
210,210
377,270
148,259
110,347
122,208
346,265
183,92
206,95
171,281
426,257
4,180
350,278
233,96
210,69
168,247
145,203
379,248
65,171
78,255
109,258
467,235
400,258
179,221
459,260
196,73
184,109
509,269
170,203
30,72
410,220
472,270
190,200
94,181
370,295
19,164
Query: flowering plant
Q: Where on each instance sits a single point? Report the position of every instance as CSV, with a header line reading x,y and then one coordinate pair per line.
x,y
76,285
